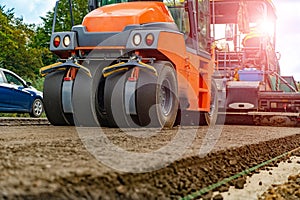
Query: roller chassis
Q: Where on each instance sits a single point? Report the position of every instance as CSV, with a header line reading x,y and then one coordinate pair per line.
x,y
112,101
104,94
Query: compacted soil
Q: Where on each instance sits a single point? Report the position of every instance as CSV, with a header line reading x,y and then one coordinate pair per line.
x,y
47,162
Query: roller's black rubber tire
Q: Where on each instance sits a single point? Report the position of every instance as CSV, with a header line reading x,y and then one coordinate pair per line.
x,y
114,101
86,91
212,116
157,97
111,104
52,100
100,109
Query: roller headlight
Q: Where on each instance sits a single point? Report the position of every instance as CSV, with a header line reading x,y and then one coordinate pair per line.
x,y
67,40
137,38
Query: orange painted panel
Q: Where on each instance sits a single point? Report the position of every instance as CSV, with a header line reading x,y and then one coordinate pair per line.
x,y
193,75
115,17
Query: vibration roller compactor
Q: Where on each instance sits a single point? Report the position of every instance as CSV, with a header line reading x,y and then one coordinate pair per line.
x,y
133,64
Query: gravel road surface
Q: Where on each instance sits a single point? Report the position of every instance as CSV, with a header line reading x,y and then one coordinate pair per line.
x,y
57,162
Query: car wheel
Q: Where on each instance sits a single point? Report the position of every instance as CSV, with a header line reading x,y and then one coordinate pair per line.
x,y
37,108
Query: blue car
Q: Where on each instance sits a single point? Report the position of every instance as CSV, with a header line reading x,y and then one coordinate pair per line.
x,y
18,96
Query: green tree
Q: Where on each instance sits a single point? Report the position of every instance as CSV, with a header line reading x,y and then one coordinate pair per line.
x,y
16,53
63,20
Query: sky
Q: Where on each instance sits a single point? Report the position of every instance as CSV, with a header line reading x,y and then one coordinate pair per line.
x,y
288,36
30,10
288,27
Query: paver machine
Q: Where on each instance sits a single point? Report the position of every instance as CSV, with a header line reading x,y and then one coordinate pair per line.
x,y
133,64
247,68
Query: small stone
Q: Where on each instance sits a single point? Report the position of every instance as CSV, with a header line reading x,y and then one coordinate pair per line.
x,y
205,169
218,197
239,184
224,188
292,178
260,183
48,166
232,162
121,189
207,196
270,173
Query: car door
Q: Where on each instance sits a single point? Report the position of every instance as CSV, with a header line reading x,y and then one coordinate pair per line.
x,y
4,93
19,98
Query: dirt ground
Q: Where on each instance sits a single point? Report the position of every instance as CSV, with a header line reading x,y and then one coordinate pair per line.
x,y
42,162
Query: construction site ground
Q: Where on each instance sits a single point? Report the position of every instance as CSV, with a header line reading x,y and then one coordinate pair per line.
x,y
42,161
